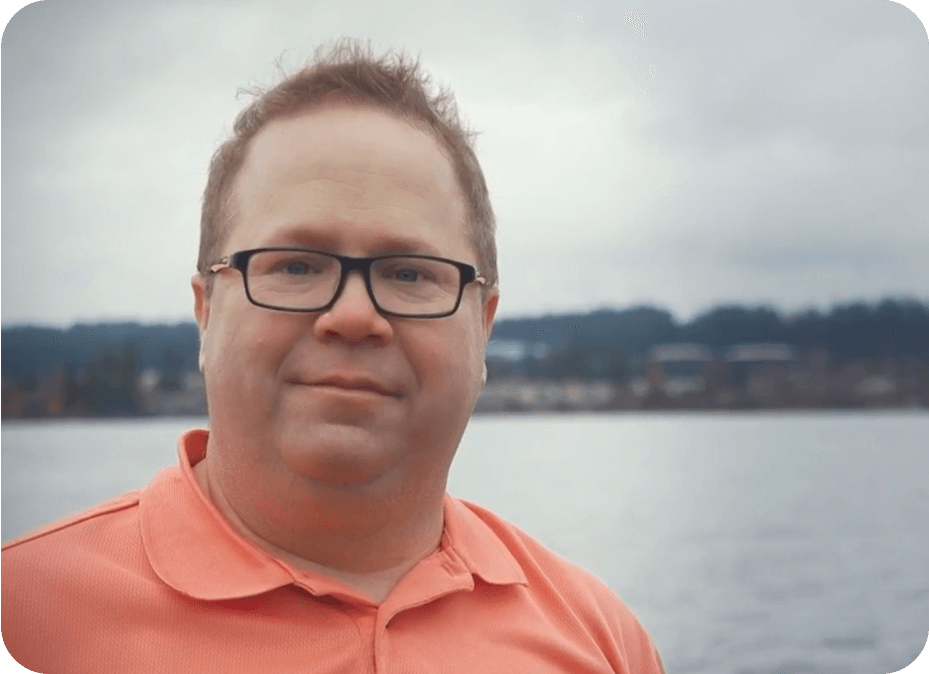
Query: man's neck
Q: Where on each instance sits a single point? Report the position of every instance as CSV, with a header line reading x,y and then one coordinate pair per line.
x,y
373,566
375,585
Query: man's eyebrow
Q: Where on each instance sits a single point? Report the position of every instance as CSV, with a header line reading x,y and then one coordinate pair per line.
x,y
331,242
403,245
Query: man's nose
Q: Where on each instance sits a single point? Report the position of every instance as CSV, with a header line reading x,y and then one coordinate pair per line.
x,y
353,318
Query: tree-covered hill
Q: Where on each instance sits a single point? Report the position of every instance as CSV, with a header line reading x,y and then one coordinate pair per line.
x,y
859,330
893,327
29,351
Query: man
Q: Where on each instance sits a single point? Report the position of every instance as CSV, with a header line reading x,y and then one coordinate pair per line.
x,y
345,295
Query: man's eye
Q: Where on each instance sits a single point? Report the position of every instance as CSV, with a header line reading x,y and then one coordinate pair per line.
x,y
407,275
296,268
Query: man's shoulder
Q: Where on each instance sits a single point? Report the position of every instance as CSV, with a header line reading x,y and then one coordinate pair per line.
x,y
86,555
80,526
560,587
68,581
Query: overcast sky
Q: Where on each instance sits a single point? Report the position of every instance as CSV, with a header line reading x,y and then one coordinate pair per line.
x,y
683,154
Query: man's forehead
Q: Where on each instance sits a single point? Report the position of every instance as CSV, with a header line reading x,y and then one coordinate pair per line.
x,y
342,140
343,122
332,159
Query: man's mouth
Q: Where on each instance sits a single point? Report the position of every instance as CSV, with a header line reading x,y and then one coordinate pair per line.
x,y
360,384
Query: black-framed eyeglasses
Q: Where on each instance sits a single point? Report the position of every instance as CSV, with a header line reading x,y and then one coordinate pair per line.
x,y
295,279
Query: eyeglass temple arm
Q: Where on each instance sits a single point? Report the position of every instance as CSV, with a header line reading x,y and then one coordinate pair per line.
x,y
219,265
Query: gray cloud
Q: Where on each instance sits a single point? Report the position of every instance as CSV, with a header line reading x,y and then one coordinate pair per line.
x,y
749,152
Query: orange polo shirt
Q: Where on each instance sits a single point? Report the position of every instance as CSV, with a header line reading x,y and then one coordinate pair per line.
x,y
158,581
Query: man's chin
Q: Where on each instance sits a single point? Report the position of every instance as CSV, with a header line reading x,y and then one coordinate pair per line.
x,y
340,457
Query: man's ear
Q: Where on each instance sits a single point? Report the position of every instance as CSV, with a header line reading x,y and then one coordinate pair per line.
x,y
201,301
489,312
201,309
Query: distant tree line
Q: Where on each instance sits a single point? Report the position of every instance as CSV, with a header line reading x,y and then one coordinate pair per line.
x,y
611,343
598,343
30,351
106,386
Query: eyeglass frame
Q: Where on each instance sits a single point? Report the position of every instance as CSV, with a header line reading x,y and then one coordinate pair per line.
x,y
347,264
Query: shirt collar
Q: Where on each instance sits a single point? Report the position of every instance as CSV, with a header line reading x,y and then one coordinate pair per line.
x,y
191,545
477,545
193,548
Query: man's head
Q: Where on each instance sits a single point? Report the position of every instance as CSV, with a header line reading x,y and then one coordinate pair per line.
x,y
347,71
347,404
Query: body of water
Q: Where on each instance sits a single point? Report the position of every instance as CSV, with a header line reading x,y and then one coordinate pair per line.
x,y
748,543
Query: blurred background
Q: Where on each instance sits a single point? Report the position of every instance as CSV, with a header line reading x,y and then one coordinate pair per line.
x,y
700,204
703,207
680,154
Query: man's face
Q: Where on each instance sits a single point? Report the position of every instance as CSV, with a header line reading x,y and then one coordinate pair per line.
x,y
358,182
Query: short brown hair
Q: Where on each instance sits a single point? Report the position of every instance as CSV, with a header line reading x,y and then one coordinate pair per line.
x,y
348,71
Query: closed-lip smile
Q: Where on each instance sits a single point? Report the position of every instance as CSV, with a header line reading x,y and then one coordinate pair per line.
x,y
354,384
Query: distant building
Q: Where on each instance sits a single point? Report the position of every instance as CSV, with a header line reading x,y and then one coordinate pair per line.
x,y
508,357
680,353
514,350
674,370
752,360
534,395
187,399
764,371
760,353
